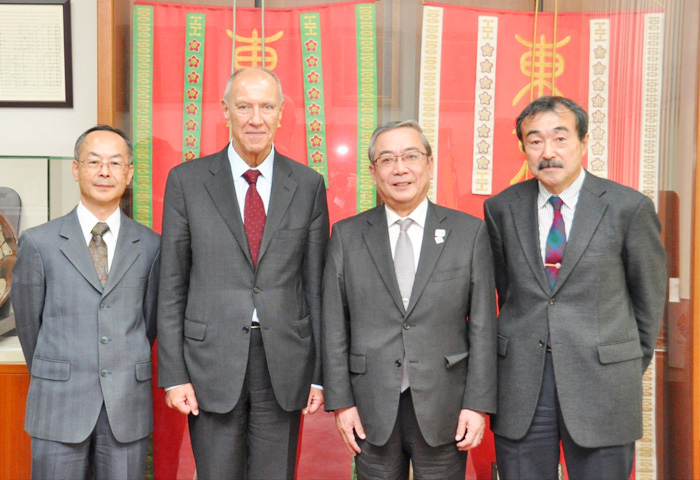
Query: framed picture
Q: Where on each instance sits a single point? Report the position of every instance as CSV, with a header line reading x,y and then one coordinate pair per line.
x,y
35,54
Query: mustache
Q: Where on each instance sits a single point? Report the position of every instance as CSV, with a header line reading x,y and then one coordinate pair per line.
x,y
549,164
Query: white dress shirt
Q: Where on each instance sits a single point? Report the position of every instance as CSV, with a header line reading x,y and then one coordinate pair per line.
x,y
241,185
545,211
87,223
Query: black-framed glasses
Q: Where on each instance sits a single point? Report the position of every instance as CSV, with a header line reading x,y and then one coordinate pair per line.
x,y
409,158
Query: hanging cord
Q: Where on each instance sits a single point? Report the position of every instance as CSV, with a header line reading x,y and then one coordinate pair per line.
x,y
233,41
262,40
532,52
554,44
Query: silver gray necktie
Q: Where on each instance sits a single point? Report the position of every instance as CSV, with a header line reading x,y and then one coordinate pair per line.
x,y
405,268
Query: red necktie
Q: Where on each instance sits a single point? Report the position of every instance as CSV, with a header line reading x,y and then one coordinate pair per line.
x,y
253,215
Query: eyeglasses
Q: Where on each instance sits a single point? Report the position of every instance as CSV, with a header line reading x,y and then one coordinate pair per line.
x,y
409,158
113,166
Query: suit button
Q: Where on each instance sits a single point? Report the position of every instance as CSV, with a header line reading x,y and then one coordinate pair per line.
x,y
103,307
246,329
256,289
104,373
104,340
398,363
551,301
406,326
541,343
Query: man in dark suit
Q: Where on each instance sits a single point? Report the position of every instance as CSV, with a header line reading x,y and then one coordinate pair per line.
x,y
84,295
409,332
581,279
244,239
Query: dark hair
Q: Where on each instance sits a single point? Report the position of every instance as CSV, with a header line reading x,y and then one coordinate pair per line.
x,y
552,104
393,126
102,128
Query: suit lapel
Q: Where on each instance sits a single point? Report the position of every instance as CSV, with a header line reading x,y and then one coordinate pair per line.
x,y
283,188
125,254
590,209
223,193
377,239
430,252
524,212
76,251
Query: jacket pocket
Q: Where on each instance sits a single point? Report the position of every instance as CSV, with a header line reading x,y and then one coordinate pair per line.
x,y
358,364
143,371
195,330
50,369
619,352
304,326
443,275
454,358
502,345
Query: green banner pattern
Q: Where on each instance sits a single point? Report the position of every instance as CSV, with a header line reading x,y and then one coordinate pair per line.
x,y
141,109
314,105
194,76
366,25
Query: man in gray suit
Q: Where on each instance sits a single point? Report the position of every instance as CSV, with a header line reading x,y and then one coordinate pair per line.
x,y
244,239
84,295
581,279
409,322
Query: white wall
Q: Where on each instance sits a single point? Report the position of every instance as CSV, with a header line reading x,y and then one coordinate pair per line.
x,y
53,131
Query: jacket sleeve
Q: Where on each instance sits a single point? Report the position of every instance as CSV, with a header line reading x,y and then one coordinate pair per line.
x,y
27,295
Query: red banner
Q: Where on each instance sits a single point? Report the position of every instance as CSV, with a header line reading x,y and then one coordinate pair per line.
x,y
493,63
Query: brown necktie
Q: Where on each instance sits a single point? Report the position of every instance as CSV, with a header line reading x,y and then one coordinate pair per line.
x,y
98,251
253,215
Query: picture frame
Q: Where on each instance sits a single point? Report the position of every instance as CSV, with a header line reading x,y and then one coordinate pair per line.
x,y
35,54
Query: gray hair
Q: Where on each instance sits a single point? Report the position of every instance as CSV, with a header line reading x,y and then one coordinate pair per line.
x,y
248,69
102,128
393,126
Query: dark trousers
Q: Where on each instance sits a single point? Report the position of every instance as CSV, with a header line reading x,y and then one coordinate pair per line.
x,y
100,456
391,461
536,455
255,440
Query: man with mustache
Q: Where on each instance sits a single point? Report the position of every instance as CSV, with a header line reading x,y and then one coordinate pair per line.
x,y
581,280
84,296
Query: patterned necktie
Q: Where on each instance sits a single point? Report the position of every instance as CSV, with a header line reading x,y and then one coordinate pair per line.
x,y
405,268
556,242
253,215
98,251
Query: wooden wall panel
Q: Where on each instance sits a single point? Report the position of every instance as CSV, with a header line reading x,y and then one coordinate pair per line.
x,y
15,454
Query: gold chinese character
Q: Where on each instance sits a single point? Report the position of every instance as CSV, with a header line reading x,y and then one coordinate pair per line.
x,y
540,63
250,54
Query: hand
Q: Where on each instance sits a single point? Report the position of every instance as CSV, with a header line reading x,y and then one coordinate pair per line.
x,y
315,401
470,429
182,399
348,421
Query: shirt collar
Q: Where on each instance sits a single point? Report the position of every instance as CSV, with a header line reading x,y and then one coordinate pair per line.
x,y
418,214
569,196
239,167
88,221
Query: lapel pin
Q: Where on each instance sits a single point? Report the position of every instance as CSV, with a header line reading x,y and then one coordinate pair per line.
x,y
439,235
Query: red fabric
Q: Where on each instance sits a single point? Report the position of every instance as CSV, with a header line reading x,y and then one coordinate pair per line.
x,y
253,215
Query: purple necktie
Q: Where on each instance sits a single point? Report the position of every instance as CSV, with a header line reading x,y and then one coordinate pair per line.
x,y
556,242
253,215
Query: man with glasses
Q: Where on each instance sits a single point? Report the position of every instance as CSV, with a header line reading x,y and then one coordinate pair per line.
x,y
409,322
84,296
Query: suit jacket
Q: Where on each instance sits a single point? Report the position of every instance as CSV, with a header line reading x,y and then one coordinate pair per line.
x,y
452,361
209,287
86,345
603,315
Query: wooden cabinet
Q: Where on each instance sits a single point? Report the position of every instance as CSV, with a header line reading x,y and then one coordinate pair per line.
x,y
15,443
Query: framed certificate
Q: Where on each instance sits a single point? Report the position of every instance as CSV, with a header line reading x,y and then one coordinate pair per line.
x,y
35,54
